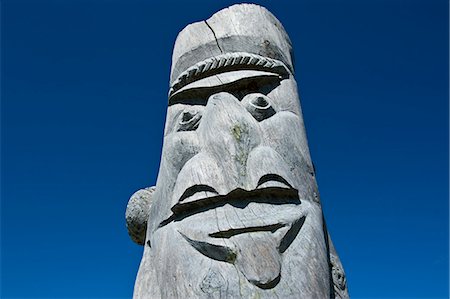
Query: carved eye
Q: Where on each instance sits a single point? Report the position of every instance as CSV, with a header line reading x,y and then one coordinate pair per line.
x,y
189,119
258,105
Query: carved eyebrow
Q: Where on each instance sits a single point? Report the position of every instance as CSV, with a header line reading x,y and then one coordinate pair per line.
x,y
195,189
272,177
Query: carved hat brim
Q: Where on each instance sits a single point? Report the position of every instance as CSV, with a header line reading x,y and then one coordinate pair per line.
x,y
224,80
225,69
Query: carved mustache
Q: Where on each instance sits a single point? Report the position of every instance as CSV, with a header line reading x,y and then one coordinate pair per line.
x,y
190,204
205,188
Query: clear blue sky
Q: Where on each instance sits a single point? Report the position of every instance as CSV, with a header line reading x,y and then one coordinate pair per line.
x,y
84,94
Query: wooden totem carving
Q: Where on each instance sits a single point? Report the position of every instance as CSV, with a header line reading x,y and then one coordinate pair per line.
x,y
235,212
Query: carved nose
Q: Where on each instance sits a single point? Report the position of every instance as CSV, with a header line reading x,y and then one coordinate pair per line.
x,y
229,134
258,105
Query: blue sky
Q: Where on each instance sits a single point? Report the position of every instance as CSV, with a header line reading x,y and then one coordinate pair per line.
x,y
83,100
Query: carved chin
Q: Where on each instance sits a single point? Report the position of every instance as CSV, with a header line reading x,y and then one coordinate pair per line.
x,y
252,242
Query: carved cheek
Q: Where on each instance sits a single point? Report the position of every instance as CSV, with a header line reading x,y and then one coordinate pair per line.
x,y
180,147
285,133
264,160
285,97
202,170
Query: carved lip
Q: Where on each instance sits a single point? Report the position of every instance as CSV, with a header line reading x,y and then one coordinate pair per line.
x,y
271,189
226,234
257,256
286,233
229,221
232,247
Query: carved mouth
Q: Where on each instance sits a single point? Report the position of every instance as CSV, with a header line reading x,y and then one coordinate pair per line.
x,y
262,271
223,253
231,228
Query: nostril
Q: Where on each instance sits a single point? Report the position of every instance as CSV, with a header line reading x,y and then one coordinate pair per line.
x,y
258,105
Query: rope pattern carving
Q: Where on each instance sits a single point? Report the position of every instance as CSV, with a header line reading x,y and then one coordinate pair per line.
x,y
227,62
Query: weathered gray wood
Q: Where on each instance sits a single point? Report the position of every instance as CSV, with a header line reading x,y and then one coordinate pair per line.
x,y
236,210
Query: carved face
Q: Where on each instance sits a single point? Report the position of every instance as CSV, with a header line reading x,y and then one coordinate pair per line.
x,y
236,184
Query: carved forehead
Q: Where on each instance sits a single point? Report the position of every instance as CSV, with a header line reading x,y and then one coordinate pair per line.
x,y
232,30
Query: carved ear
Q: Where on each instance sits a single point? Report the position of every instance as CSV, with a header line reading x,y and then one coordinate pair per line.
x,y
337,273
137,213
